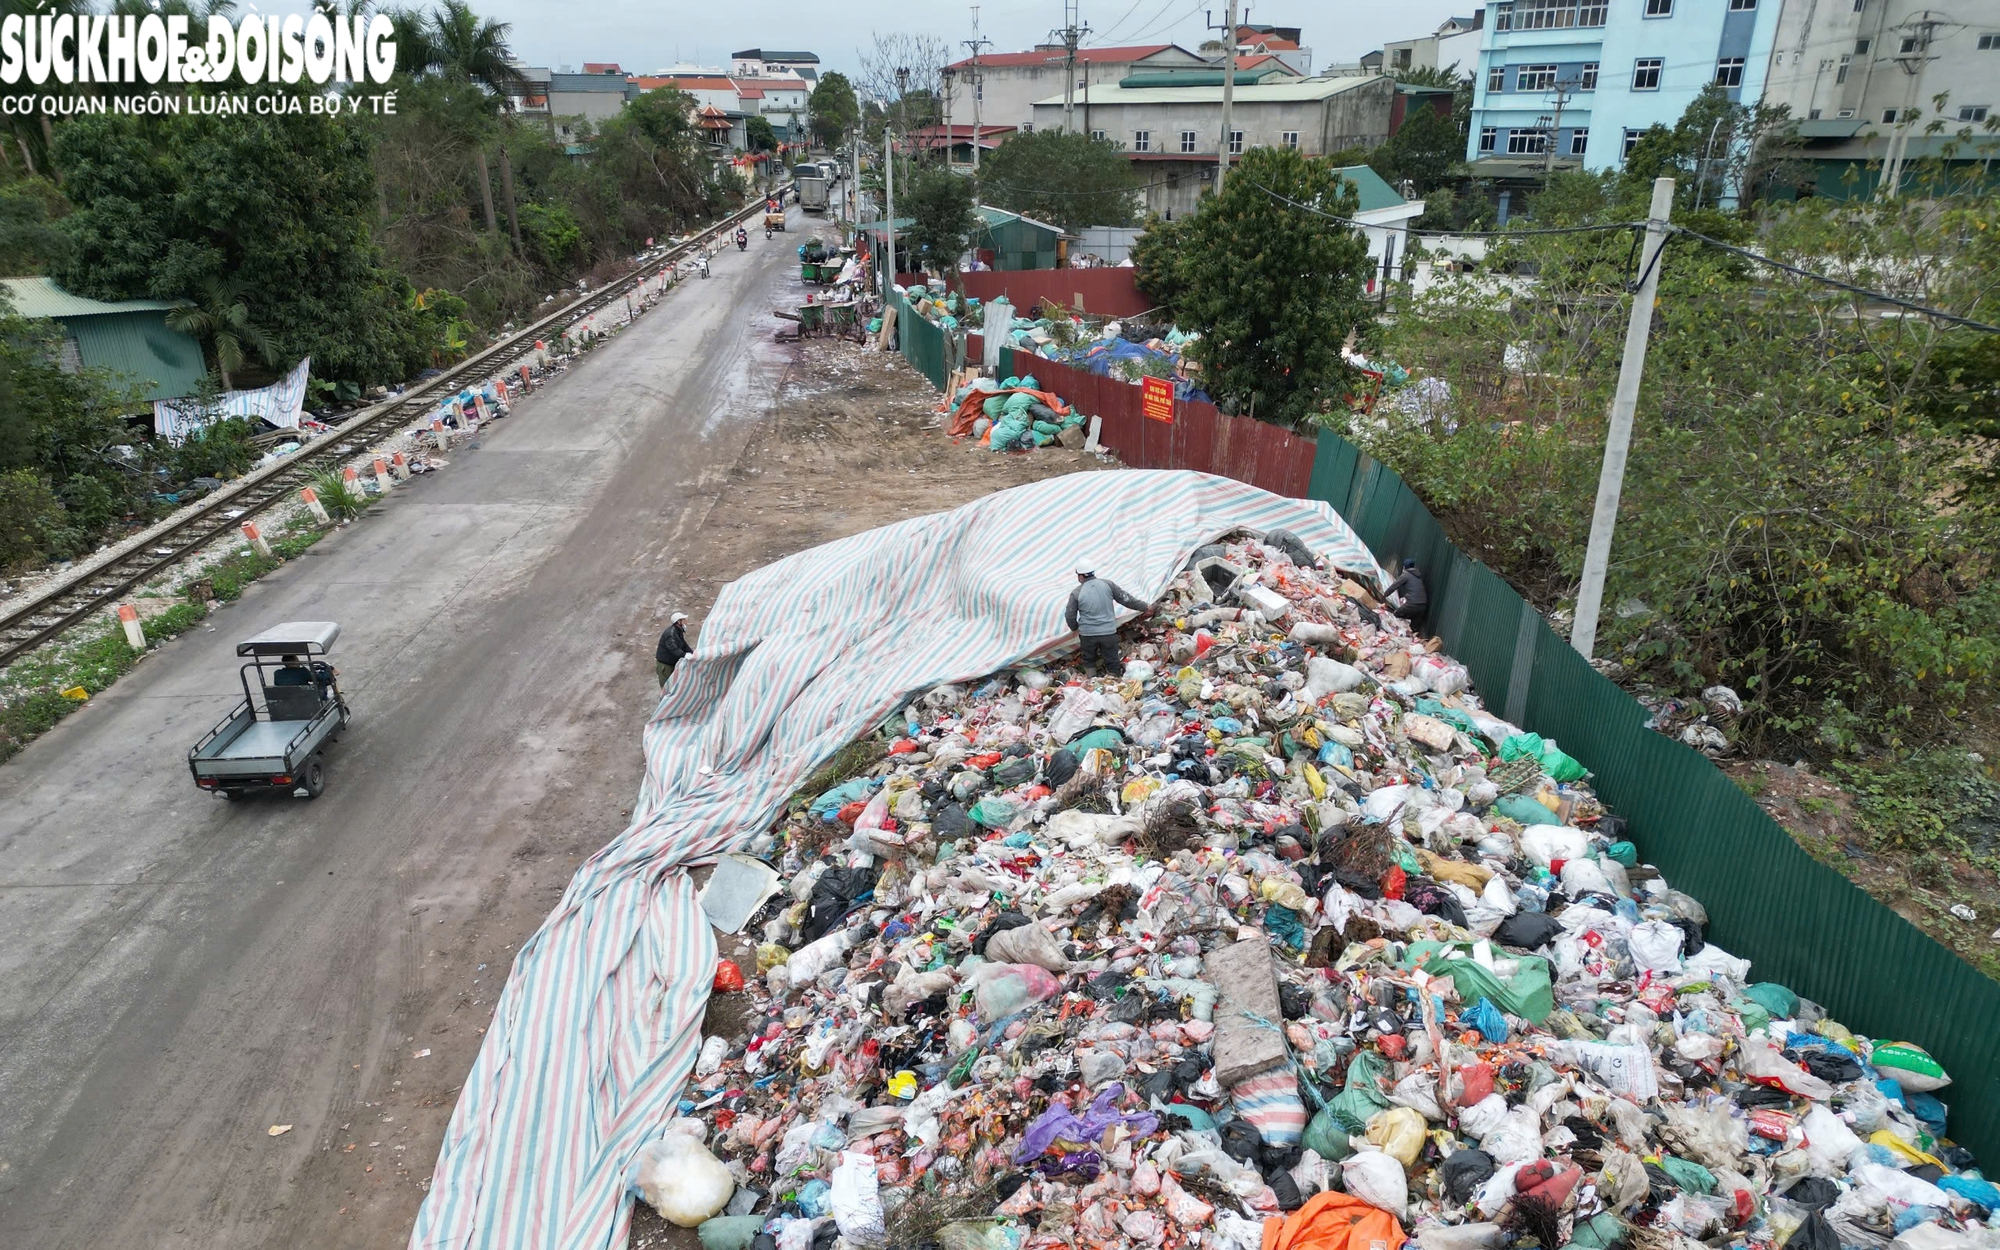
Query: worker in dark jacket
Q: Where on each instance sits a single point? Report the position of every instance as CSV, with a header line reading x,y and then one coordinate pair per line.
x,y
1093,614
674,647
1414,604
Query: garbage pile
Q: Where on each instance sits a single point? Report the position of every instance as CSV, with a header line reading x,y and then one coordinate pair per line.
x,y
1281,940
1110,353
1012,414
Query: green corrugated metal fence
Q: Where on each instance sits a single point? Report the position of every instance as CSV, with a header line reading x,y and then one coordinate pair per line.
x,y
1799,921
924,345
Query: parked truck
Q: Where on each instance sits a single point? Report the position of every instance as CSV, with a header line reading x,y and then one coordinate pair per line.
x,y
813,184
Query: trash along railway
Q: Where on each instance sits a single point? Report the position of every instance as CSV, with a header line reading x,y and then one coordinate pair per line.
x,y
1276,939
45,615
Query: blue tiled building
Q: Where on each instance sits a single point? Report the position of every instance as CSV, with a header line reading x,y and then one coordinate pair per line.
x,y
1570,84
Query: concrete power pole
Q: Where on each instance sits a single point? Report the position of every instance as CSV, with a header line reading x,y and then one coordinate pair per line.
x,y
1071,34
1563,90
1228,92
1618,438
889,221
976,43
1922,30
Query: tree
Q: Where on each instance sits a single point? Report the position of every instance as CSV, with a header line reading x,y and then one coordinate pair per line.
x,y
1718,150
221,322
1426,151
1064,178
832,110
278,203
759,135
905,72
456,42
940,203
1272,289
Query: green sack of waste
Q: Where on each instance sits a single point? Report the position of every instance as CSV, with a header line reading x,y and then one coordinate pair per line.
x,y
1019,402
1362,1097
1043,440
1600,1232
1780,1002
1327,1139
1554,762
1624,853
1692,1177
1009,383
994,812
1527,994
1109,739
1030,383
994,406
1521,808
1753,1013
1047,429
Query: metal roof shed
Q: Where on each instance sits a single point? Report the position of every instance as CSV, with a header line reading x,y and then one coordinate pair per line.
x,y
128,338
1018,242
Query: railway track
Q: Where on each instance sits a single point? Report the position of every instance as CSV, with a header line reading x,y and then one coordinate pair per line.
x,y
47,614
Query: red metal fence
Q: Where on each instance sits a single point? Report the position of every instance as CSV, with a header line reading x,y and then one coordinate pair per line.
x,y
1199,437
1104,292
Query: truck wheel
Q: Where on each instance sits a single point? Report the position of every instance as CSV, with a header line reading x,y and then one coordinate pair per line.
x,y
314,779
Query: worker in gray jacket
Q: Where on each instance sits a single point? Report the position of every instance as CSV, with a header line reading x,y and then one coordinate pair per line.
x,y
1093,614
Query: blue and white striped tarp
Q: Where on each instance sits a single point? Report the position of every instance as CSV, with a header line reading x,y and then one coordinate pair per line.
x,y
600,1020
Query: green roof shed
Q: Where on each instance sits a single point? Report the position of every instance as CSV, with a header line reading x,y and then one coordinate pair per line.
x,y
128,338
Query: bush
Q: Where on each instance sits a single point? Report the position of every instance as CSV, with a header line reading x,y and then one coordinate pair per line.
x,y
33,523
341,501
222,450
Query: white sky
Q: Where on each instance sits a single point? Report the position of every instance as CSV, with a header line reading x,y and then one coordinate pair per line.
x,y
642,35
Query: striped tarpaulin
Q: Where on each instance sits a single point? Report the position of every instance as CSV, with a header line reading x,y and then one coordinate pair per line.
x,y
600,1019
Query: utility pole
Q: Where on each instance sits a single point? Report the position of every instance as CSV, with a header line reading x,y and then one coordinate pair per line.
x,y
975,43
1563,90
949,78
1922,29
1228,90
1618,437
854,186
889,222
1071,34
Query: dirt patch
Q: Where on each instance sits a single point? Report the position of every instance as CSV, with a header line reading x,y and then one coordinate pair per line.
x,y
1922,889
855,444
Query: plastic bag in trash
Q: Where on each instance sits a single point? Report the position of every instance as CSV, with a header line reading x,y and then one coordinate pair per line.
x,y
680,1179
1911,1065
1377,1180
1464,1171
857,1202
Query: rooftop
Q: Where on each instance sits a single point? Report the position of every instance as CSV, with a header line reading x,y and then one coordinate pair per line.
x,y
1084,56
1287,91
41,297
1370,188
760,54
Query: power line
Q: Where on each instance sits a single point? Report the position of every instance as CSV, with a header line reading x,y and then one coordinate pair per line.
x,y
1454,234
1821,278
1882,296
1118,25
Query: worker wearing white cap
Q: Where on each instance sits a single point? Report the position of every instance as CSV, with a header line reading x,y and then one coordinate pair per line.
x,y
674,646
1093,614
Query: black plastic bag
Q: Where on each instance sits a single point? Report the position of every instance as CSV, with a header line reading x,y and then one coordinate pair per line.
x,y
1464,1172
1816,1192
1240,1141
951,822
1062,766
1001,923
1814,1234
1832,1066
1527,930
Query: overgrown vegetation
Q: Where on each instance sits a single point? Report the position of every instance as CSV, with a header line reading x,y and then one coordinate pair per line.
x,y
1272,290
1062,177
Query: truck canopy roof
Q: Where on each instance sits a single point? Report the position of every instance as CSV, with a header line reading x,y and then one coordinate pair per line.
x,y
292,638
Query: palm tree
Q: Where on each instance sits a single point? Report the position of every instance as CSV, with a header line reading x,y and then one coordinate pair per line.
x,y
456,42
221,322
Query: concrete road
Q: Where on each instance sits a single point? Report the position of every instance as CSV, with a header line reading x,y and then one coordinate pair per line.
x,y
179,974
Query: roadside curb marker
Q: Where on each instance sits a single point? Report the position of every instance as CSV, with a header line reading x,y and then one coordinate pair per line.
x,y
314,506
382,479
258,543
135,634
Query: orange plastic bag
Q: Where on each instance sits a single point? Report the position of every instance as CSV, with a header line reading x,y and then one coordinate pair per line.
x,y
728,978
1333,1221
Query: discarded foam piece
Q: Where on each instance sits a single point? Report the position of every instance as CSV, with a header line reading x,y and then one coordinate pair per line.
x,y
1248,1019
735,891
